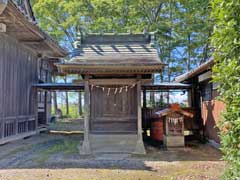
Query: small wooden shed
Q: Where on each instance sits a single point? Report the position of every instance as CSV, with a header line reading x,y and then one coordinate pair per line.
x,y
113,66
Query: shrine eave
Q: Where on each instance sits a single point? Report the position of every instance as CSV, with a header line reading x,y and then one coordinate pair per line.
x,y
74,68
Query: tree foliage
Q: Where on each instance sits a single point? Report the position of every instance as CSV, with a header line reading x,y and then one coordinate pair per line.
x,y
226,41
182,26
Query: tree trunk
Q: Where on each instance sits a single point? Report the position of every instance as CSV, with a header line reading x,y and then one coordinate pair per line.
x,y
206,50
152,98
55,97
189,53
161,93
67,105
169,51
152,95
169,74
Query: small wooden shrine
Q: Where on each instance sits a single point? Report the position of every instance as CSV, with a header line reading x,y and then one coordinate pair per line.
x,y
173,118
113,68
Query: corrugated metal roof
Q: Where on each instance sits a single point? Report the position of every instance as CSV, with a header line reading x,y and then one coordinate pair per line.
x,y
167,86
203,67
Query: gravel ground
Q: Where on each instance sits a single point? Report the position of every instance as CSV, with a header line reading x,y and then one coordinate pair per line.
x,y
55,156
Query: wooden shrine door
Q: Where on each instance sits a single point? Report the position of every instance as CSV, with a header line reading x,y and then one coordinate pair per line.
x,y
113,112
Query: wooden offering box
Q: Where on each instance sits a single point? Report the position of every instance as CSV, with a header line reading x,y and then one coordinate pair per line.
x,y
173,125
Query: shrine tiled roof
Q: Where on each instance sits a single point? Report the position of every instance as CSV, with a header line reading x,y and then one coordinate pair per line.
x,y
116,51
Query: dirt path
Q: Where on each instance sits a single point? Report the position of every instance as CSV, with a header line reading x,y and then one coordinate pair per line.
x,y
53,157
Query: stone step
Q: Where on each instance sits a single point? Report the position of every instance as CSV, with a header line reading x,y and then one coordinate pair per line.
x,y
113,143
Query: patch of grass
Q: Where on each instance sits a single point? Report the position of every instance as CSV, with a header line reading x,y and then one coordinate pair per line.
x,y
66,147
65,125
73,111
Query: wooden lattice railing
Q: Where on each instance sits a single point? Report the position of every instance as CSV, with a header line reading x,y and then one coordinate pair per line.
x,y
13,126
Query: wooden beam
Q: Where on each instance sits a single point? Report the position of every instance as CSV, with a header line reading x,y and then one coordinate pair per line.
x,y
205,76
29,42
112,81
78,81
107,71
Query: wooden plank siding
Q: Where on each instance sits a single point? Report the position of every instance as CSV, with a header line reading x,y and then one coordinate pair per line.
x,y
114,113
44,98
18,71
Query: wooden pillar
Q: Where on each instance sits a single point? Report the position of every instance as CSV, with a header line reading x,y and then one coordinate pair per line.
x,y
140,149
85,148
144,99
190,97
144,119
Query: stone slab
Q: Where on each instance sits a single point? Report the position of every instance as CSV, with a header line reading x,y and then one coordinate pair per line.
x,y
173,141
113,143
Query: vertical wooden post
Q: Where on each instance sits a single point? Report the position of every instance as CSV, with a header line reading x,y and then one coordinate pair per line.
x,y
140,149
34,95
139,108
2,127
190,99
193,93
144,118
85,148
87,110
166,125
182,121
144,99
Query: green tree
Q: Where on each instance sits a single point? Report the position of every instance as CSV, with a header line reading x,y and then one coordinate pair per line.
x,y
193,30
182,27
226,42
62,18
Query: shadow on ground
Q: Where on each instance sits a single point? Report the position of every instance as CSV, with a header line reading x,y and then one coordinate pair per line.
x,y
61,151
56,156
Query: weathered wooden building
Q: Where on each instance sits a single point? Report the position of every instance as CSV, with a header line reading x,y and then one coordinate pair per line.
x,y
23,46
116,70
114,67
204,98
